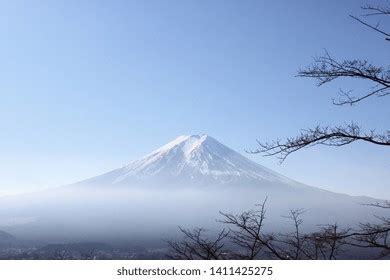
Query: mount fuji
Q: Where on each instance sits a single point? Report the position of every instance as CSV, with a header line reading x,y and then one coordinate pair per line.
x,y
184,183
192,160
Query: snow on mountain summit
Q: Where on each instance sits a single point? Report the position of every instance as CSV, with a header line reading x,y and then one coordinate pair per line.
x,y
194,159
188,143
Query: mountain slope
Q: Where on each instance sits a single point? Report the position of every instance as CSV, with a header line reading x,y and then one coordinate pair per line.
x,y
195,159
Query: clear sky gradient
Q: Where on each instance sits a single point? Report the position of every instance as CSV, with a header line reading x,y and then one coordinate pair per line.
x,y
87,86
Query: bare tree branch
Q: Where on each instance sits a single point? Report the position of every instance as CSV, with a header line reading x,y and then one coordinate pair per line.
x,y
246,233
376,10
372,27
195,246
382,204
295,240
328,136
326,69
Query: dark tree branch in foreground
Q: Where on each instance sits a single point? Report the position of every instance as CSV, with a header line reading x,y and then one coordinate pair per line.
x,y
295,240
373,27
195,246
246,232
328,242
247,239
375,11
326,69
325,244
328,136
374,235
384,204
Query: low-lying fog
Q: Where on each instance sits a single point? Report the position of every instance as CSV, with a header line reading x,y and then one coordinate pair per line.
x,y
70,214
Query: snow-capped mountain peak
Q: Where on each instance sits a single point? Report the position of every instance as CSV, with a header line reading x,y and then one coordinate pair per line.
x,y
187,143
192,159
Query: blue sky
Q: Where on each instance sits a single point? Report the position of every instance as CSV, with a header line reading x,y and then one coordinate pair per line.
x,y
87,86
